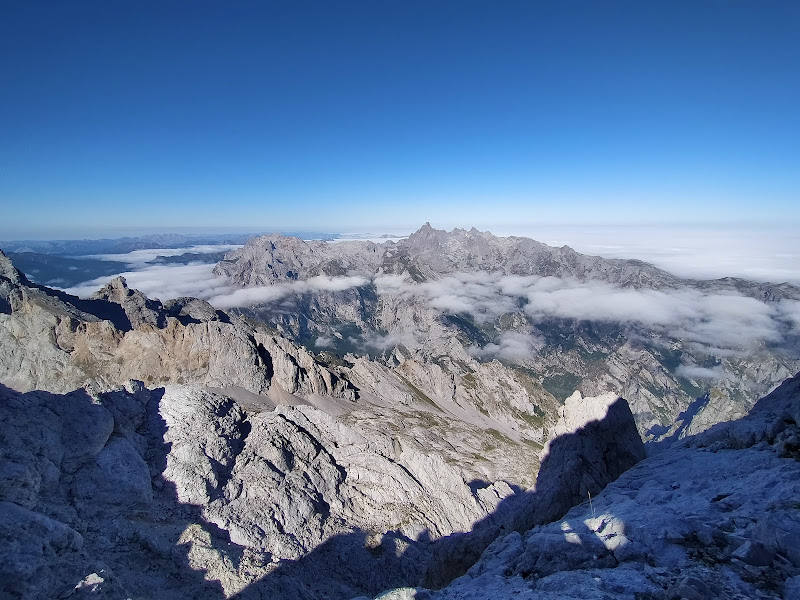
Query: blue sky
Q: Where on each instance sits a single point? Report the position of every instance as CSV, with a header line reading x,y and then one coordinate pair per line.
x,y
344,115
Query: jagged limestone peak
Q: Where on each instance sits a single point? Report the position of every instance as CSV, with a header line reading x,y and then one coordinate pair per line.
x,y
9,271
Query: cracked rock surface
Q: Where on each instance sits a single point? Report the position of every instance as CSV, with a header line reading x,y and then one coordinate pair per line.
x,y
179,492
716,516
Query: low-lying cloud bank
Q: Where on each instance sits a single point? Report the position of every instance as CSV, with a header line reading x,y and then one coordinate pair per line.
x,y
701,373
270,293
140,258
173,281
164,282
717,321
511,346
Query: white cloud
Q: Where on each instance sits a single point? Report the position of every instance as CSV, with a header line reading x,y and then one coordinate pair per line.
x,y
367,237
325,341
139,258
230,297
721,320
332,284
789,310
474,293
164,282
511,345
271,293
695,372
172,281
389,341
724,320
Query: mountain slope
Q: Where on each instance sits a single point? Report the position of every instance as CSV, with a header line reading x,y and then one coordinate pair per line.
x,y
714,517
55,342
685,353
178,492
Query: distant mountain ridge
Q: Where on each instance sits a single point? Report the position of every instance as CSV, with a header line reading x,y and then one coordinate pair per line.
x,y
662,372
431,253
426,254
122,245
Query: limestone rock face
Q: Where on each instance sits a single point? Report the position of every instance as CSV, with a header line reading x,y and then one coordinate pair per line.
x,y
118,479
247,465
56,342
284,481
128,491
31,541
138,308
179,492
275,258
711,517
594,441
202,435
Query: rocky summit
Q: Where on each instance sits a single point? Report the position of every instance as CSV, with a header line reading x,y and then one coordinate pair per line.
x,y
178,450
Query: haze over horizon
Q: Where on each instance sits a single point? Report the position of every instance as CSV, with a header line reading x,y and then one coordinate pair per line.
x,y
698,251
363,116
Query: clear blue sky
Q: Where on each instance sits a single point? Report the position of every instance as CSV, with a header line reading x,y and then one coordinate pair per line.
x,y
340,115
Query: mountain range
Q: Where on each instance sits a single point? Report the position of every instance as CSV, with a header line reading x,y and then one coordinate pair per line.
x,y
452,415
685,353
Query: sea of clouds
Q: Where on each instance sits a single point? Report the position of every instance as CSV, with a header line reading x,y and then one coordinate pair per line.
x,y
141,258
721,322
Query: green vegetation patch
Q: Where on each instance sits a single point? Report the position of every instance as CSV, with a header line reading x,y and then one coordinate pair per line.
x,y
418,394
534,420
500,437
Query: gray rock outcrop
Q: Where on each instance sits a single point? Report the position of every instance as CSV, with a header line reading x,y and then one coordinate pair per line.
x,y
180,492
711,517
246,465
595,440
56,342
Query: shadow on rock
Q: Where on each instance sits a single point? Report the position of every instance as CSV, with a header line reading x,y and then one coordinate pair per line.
x,y
86,508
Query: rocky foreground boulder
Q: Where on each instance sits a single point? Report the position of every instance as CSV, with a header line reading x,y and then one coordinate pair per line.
x,y
716,516
180,492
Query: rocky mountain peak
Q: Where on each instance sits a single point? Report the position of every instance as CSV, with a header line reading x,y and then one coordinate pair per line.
x,y
9,271
425,236
114,290
139,308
